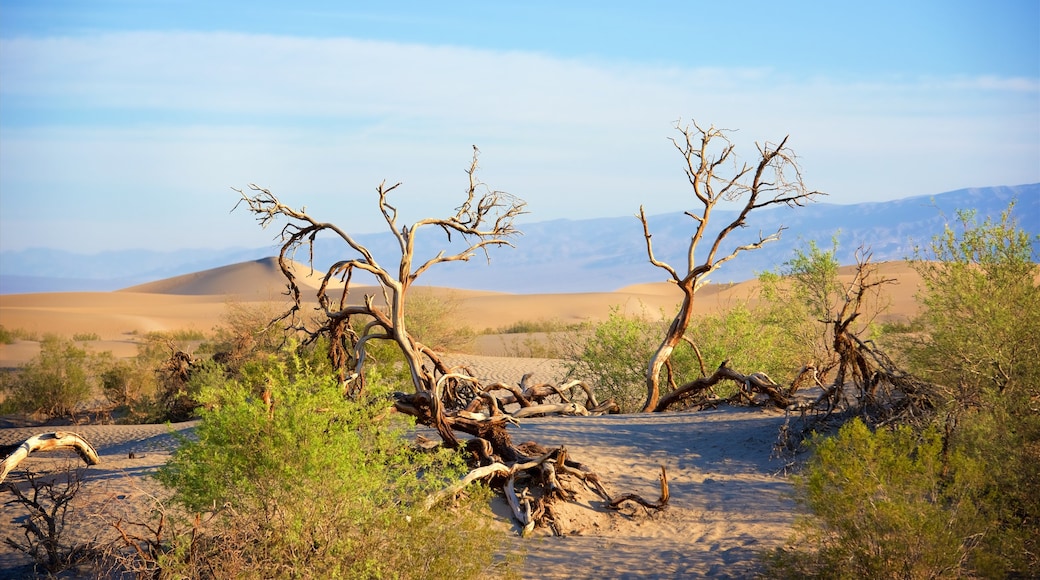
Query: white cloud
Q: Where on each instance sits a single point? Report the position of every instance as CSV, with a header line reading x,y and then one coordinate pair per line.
x,y
322,121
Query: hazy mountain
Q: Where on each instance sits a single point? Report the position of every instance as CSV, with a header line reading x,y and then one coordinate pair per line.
x,y
570,255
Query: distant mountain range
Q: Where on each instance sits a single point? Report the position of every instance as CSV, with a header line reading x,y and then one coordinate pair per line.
x,y
570,255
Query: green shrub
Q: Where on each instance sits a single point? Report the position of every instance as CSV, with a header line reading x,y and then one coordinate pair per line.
x,y
753,339
54,383
540,325
433,320
961,497
128,384
614,355
885,504
317,486
86,337
11,335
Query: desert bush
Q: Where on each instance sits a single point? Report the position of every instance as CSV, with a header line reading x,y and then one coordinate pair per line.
x,y
539,325
613,356
10,335
54,383
751,338
980,307
245,332
433,320
557,345
960,496
981,318
86,337
894,503
180,335
128,384
317,485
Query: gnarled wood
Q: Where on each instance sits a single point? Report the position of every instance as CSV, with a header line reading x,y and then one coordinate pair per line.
x,y
660,504
774,180
48,442
752,383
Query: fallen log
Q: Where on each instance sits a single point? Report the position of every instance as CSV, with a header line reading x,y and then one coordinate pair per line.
x,y
48,442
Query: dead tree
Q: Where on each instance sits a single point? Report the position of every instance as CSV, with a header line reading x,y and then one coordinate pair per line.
x,y
774,180
865,377
483,220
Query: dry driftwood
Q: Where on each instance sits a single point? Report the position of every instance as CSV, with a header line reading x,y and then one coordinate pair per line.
x,y
48,442
752,383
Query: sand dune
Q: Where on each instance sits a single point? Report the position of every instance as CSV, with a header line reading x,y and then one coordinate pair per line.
x,y
260,279
197,302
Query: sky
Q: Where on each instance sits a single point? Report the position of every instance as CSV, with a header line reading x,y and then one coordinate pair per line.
x,y
126,124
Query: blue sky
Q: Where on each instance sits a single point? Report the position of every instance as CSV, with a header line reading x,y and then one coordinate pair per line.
x,y
124,124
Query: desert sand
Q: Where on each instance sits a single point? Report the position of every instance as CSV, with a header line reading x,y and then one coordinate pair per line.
x,y
729,497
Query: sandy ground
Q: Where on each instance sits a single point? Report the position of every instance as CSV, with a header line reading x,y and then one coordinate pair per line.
x,y
727,503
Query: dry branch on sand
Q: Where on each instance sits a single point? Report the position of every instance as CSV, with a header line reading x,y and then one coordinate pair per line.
x,y
48,442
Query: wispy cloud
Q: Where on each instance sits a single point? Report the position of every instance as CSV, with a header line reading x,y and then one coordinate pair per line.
x,y
172,119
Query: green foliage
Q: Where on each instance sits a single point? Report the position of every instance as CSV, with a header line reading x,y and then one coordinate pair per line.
x,y
981,308
317,486
245,332
180,335
54,383
981,319
803,296
540,325
129,384
12,335
961,497
887,504
86,337
751,338
433,320
613,357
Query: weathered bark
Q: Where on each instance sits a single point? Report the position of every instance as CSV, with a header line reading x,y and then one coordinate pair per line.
x,y
659,504
774,180
753,383
48,442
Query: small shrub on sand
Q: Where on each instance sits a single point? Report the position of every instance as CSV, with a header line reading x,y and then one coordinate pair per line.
x,y
316,485
54,383
613,356
12,335
433,320
886,504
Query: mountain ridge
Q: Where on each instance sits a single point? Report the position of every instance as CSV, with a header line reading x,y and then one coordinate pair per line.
x,y
570,255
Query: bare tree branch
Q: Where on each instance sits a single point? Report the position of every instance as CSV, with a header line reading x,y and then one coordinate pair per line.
x,y
774,180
